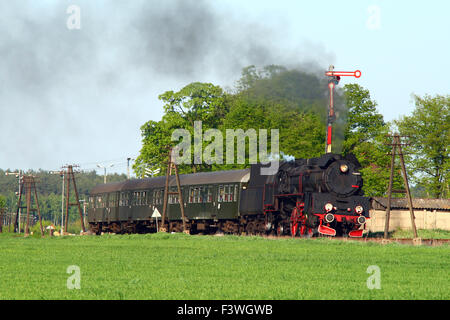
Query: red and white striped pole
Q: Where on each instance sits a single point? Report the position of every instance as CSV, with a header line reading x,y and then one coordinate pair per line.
x,y
334,78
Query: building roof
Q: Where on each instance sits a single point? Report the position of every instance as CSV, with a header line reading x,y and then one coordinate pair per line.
x,y
380,203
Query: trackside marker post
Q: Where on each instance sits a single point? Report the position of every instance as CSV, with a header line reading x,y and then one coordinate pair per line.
x,y
156,215
333,80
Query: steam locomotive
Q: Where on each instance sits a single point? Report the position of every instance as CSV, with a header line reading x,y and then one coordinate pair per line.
x,y
305,197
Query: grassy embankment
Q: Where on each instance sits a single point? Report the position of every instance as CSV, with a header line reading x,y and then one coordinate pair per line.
x,y
178,266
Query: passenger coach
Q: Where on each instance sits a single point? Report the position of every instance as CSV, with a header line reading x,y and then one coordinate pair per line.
x,y
128,206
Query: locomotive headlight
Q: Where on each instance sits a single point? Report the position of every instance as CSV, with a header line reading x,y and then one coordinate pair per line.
x,y
361,219
344,168
329,218
359,209
328,207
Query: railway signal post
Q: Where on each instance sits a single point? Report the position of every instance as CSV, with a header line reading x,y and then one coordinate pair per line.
x,y
333,80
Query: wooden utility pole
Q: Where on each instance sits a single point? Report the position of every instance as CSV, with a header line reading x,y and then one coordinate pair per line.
x,y
397,144
2,213
69,175
172,165
28,186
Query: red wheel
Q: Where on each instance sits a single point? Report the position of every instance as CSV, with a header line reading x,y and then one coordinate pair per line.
x,y
294,229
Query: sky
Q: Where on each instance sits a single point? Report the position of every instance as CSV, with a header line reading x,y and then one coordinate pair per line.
x,y
75,89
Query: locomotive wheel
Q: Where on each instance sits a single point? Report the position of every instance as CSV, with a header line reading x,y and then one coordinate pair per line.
x,y
280,230
250,229
294,227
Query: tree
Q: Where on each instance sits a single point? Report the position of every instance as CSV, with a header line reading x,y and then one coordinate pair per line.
x,y
2,202
197,101
364,123
365,137
428,129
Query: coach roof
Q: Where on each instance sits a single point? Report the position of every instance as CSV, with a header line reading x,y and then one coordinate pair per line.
x,y
231,176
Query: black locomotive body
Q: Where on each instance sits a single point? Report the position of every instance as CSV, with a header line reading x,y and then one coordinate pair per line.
x,y
309,196
304,197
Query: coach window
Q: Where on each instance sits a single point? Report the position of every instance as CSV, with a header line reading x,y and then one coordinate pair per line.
x,y
98,202
133,199
221,194
236,187
145,198
200,194
210,197
123,199
157,197
173,198
227,193
111,200
204,194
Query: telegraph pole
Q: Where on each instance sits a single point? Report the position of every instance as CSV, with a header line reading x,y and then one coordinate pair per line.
x,y
104,167
397,144
62,174
71,176
19,176
28,186
172,165
128,168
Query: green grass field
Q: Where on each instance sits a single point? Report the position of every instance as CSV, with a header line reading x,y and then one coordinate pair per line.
x,y
178,266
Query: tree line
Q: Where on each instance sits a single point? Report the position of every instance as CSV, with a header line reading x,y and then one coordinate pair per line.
x,y
295,102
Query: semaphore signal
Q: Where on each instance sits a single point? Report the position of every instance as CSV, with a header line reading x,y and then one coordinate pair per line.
x,y
334,78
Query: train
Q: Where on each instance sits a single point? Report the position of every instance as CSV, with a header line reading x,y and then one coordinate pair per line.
x,y
319,196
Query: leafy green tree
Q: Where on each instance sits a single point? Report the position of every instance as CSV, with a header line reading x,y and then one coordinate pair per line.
x,y
428,129
2,202
365,137
301,134
364,122
197,101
